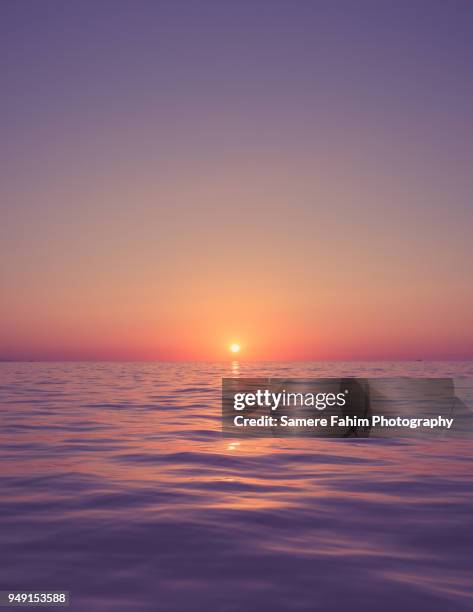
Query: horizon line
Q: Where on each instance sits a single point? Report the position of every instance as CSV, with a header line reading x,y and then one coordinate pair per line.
x,y
229,360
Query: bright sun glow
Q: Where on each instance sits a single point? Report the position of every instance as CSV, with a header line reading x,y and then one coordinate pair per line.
x,y
235,348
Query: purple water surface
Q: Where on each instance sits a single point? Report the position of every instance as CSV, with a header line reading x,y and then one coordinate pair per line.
x,y
116,485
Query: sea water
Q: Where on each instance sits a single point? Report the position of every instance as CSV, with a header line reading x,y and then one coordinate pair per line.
x,y
117,485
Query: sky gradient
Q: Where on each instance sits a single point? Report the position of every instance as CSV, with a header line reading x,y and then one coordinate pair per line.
x,y
293,176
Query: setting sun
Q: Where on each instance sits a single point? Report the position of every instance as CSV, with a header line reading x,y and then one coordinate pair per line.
x,y
235,348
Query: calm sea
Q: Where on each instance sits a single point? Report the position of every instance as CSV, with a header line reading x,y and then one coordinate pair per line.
x,y
116,485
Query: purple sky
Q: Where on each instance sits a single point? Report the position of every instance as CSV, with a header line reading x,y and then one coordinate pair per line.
x,y
294,176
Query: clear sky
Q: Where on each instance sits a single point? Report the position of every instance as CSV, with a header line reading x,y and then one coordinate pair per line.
x,y
293,176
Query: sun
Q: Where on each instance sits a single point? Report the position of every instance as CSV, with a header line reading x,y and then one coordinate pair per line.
x,y
235,348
